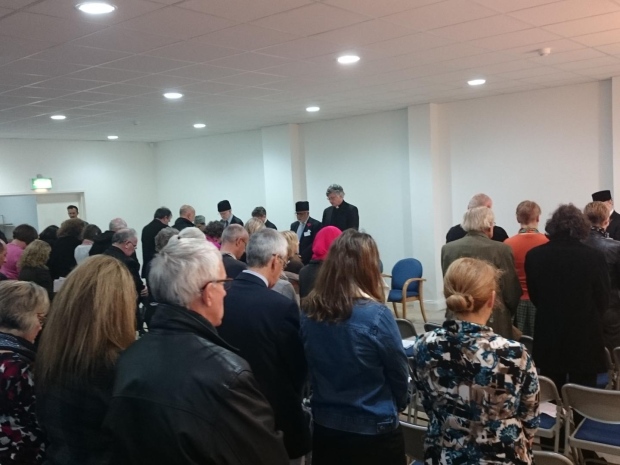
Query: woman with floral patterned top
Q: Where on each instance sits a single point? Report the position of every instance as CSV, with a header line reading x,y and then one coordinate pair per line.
x,y
480,390
22,304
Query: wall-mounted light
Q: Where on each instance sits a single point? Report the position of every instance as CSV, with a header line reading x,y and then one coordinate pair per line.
x,y
40,183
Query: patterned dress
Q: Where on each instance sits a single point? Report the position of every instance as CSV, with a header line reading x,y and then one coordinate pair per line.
x,y
480,392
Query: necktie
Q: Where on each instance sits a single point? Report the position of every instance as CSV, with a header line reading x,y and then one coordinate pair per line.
x,y
300,230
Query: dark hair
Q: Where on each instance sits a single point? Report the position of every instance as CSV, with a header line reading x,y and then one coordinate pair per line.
x,y
568,221
25,233
259,212
90,232
49,234
73,206
350,270
162,212
214,229
72,227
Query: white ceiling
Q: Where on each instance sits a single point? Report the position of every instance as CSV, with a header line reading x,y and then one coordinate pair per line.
x,y
246,64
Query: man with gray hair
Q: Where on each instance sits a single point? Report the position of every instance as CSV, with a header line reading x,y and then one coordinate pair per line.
x,y
199,402
478,200
186,218
264,326
341,214
234,240
124,244
103,241
478,224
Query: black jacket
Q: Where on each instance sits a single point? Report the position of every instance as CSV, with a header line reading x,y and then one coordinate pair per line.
x,y
233,266
40,276
457,232
611,316
568,283
62,257
307,277
132,265
182,396
264,325
101,243
311,229
181,223
344,217
233,220
148,242
614,226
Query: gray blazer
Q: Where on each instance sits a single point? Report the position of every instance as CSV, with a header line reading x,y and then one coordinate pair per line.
x,y
478,245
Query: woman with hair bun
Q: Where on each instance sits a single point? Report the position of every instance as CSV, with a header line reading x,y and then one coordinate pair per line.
x,y
479,390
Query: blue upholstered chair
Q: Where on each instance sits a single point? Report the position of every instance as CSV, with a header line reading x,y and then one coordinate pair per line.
x,y
617,366
550,426
599,431
607,380
414,442
406,285
550,458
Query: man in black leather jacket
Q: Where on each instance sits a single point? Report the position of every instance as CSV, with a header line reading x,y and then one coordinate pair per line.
x,y
182,395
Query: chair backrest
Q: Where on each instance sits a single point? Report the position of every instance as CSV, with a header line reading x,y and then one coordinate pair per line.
x,y
528,342
405,269
596,404
548,391
406,328
617,363
550,458
431,327
414,440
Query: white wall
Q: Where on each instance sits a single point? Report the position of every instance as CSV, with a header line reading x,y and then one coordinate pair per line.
x,y
201,172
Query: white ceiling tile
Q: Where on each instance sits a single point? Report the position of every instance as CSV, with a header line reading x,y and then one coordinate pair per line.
x,y
45,28
115,38
599,38
210,87
107,74
147,64
553,77
66,9
202,72
18,47
566,10
69,84
247,37
177,22
505,6
250,92
440,14
37,92
474,61
601,72
405,45
192,51
161,81
17,4
89,97
528,72
243,11
587,25
125,89
311,19
610,49
301,49
249,61
377,9
78,55
556,46
515,39
40,67
479,28
251,79
364,33
590,63
567,57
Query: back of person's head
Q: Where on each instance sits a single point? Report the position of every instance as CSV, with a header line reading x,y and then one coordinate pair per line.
x,y
293,242
49,234
469,284
21,303
91,321
263,245
478,219
90,232
25,233
567,222
163,236
323,241
117,224
480,200
186,211
597,213
253,225
527,212
214,229
350,272
181,269
259,212
232,233
71,228
162,212
193,233
35,255
124,235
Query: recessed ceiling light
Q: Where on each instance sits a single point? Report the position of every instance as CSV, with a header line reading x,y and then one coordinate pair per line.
x,y
200,125
476,82
348,59
58,117
112,137
96,8
173,95
313,109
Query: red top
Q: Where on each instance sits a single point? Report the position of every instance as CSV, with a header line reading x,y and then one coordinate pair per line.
x,y
521,244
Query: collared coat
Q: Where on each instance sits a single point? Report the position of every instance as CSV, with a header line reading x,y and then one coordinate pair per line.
x,y
310,231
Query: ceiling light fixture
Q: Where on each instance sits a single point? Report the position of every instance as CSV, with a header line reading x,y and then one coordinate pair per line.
x,y
200,125
173,95
348,59
112,137
312,109
476,82
96,8
58,117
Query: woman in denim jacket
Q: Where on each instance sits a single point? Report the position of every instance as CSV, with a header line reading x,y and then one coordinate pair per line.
x,y
356,359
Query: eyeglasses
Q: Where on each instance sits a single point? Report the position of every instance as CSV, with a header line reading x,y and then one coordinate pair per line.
x,y
226,283
282,259
134,245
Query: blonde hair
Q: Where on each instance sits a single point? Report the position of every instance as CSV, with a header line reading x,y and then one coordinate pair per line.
x,y
292,241
253,225
468,284
20,303
91,320
478,219
597,213
35,255
527,211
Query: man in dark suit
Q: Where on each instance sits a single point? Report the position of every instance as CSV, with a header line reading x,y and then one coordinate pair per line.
x,y
614,218
261,214
306,229
264,326
161,218
479,200
341,214
187,213
234,240
225,211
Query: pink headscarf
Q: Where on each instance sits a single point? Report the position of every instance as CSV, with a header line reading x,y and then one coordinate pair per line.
x,y
323,241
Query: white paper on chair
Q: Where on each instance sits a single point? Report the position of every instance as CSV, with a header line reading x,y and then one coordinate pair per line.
x,y
408,343
548,408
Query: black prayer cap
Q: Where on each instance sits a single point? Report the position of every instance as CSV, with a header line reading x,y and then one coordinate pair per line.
x,y
223,206
302,206
601,196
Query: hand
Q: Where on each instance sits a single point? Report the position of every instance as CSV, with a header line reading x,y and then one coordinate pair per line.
x,y
144,292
